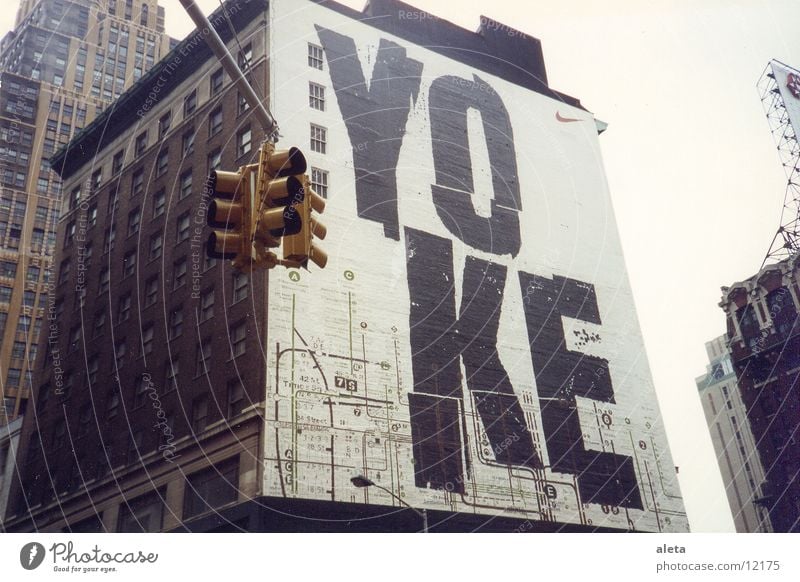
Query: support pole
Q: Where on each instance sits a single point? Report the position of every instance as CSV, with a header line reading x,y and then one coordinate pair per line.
x,y
219,49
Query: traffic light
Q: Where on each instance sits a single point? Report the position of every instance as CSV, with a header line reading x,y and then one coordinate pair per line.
x,y
228,212
287,201
300,248
254,209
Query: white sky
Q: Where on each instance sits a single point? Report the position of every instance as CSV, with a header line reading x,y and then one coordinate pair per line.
x,y
694,174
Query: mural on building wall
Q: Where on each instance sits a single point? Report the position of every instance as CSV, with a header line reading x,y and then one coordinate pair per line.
x,y
472,344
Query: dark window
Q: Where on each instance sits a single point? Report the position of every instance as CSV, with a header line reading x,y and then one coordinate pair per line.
x,y
134,220
236,401
240,285
156,245
216,82
203,357
183,225
117,162
190,103
188,143
215,122
211,488
163,124
207,305
176,323
179,270
151,291
137,182
238,335
244,142
163,163
145,514
159,203
185,184
141,143
199,414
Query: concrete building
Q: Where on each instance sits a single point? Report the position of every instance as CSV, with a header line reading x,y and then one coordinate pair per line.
x,y
738,458
764,336
174,393
63,64
9,443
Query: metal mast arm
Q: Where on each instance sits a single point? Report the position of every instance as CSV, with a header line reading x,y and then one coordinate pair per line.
x,y
219,49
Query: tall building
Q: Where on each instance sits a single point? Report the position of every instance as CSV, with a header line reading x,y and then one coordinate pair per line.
x,y
63,64
445,359
764,336
733,441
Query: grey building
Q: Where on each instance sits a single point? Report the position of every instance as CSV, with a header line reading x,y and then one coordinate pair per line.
x,y
9,444
732,437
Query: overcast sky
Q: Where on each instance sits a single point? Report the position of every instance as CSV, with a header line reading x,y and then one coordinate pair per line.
x,y
693,171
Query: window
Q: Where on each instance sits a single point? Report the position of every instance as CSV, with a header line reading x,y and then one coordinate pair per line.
x,y
145,514
314,56
112,201
215,122
151,291
211,488
207,306
319,136
171,374
99,322
235,398
179,270
163,163
29,298
129,264
176,323
110,236
140,394
240,282
137,182
183,224
216,82
243,105
190,103
147,339
92,367
246,57
124,308
120,351
214,160
97,179
203,356
319,181
5,294
8,269
134,220
112,402
116,162
69,234
244,142
238,333
163,124
156,244
316,96
141,143
185,184
199,413
84,420
159,203
75,338
105,278
91,217
18,350
188,143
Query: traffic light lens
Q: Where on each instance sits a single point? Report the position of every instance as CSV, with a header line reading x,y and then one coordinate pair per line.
x,y
223,245
224,214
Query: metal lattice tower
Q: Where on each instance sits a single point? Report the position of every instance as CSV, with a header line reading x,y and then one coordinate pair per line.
x,y
786,241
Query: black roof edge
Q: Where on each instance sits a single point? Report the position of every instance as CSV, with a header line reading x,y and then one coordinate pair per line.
x,y
179,64
495,48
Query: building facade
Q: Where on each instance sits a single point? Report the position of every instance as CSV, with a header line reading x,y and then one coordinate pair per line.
x,y
489,374
63,64
764,336
9,443
737,455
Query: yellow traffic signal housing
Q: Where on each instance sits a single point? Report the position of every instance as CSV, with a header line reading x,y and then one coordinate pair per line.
x,y
230,214
300,248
